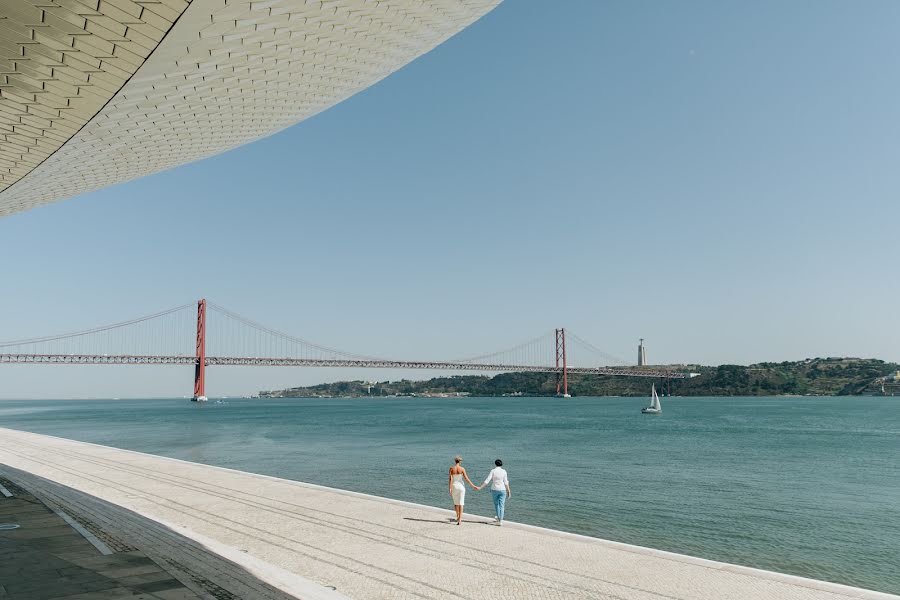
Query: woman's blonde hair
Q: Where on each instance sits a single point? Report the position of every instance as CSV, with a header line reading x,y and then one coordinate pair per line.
x,y
458,458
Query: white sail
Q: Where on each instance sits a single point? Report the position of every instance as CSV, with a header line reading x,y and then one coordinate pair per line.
x,y
654,408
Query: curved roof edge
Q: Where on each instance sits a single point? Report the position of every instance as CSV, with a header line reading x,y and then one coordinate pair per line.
x,y
232,72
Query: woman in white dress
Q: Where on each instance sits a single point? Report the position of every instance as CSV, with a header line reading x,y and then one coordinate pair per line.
x,y
457,487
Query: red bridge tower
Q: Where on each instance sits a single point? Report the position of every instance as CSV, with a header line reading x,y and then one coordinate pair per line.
x,y
200,368
562,367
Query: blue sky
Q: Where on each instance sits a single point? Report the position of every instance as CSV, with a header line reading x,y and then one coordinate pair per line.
x,y
719,178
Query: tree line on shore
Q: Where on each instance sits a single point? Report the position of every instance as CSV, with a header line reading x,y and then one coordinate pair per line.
x,y
819,377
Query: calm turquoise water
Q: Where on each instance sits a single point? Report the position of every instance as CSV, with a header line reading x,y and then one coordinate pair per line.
x,y
809,486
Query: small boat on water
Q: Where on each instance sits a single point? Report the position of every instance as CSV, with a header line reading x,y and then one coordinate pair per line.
x,y
655,408
199,399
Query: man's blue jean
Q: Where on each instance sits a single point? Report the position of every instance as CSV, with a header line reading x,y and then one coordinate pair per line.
x,y
499,502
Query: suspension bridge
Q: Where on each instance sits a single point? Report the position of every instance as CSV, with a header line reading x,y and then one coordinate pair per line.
x,y
206,335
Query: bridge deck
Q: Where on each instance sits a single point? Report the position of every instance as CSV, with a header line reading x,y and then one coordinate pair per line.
x,y
375,548
372,363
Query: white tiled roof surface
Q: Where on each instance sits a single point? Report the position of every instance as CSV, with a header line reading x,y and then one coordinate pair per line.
x,y
60,62
228,72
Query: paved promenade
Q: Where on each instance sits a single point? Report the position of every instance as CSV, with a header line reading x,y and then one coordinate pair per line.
x,y
316,542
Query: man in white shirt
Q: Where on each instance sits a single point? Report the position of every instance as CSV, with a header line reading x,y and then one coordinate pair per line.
x,y
499,488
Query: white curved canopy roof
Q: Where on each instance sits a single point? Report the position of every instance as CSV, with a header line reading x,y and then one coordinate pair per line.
x,y
95,92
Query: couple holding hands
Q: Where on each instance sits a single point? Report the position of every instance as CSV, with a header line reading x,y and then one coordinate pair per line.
x,y
499,487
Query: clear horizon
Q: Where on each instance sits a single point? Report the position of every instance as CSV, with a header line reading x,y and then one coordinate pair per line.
x,y
717,178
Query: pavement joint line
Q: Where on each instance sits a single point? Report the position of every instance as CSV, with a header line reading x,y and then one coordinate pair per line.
x,y
537,528
282,580
635,549
238,559
279,578
6,493
697,562
528,575
96,543
824,586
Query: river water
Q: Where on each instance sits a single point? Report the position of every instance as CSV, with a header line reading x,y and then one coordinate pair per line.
x,y
807,486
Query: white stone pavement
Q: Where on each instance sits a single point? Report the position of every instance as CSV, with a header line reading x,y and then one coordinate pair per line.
x,y
290,534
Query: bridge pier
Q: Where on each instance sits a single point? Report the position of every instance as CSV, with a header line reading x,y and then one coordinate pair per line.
x,y
200,366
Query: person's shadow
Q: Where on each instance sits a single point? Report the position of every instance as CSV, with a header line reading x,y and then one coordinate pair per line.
x,y
448,521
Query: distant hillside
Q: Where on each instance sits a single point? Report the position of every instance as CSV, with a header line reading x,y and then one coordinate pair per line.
x,y
819,376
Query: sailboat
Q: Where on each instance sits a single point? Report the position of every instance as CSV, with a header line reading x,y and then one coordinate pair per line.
x,y
655,408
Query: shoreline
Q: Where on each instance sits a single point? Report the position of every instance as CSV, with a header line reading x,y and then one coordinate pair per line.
x,y
461,397
151,485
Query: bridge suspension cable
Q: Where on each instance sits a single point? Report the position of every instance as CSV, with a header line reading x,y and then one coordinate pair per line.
x,y
536,351
237,335
181,336
591,350
166,332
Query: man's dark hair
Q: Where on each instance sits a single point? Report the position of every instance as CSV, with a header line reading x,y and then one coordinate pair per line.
x,y
498,462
